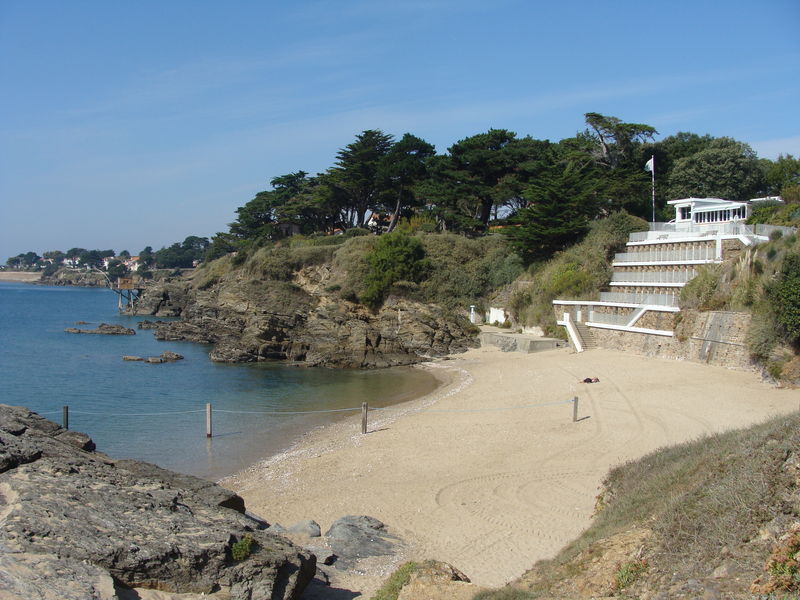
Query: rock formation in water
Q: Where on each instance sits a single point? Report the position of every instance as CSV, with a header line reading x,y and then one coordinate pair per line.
x,y
103,329
76,524
252,320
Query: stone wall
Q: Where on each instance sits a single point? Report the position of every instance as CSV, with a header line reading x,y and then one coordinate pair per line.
x,y
716,338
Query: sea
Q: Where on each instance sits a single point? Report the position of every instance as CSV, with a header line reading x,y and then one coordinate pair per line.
x,y
157,412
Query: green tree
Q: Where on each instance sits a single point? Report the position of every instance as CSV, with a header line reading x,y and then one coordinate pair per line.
x,y
725,169
56,255
615,140
404,165
396,257
557,217
117,269
256,220
147,257
358,178
782,174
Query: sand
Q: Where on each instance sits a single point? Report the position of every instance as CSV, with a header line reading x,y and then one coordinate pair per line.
x,y
22,276
489,473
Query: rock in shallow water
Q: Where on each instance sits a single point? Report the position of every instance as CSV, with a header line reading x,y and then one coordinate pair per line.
x,y
87,519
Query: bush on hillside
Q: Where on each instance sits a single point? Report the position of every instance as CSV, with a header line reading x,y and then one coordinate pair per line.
x,y
396,257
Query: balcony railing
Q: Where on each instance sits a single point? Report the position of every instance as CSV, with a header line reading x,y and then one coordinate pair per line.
x,y
635,277
610,318
668,299
674,256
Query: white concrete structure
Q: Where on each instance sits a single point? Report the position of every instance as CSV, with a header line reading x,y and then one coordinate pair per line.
x,y
648,277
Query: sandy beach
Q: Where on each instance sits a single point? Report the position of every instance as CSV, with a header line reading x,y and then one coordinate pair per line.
x,y
489,472
20,276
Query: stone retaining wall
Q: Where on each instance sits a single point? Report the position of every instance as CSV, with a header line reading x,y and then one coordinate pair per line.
x,y
716,338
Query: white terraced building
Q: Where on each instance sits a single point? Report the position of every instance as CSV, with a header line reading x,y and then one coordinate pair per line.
x,y
648,276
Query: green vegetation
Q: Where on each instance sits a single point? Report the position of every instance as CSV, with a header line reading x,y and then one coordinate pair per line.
x,y
396,257
628,573
242,549
392,586
578,272
764,281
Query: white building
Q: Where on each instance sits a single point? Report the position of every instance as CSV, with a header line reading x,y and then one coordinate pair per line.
x,y
648,277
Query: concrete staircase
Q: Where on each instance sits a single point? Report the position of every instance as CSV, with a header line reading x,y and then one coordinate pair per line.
x,y
587,338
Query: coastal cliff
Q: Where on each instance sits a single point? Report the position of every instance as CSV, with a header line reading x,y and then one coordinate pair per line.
x,y
76,524
248,319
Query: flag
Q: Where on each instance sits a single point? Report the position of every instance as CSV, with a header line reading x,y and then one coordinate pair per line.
x,y
650,164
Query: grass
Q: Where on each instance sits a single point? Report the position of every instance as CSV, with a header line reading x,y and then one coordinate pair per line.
x,y
392,586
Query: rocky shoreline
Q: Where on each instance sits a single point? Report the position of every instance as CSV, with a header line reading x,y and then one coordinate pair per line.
x,y
256,320
78,524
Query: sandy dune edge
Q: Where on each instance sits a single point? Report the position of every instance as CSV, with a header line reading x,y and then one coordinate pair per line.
x,y
489,473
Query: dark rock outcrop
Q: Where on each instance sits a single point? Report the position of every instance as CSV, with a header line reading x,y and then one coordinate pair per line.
x,y
103,329
77,524
355,537
164,299
268,320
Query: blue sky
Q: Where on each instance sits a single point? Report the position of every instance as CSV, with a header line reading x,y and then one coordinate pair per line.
x,y
126,124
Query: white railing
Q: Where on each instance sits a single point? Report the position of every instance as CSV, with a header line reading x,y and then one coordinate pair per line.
x,y
668,299
666,231
766,230
610,318
662,255
653,276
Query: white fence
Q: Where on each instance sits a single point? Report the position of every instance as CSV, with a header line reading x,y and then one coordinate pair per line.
x,y
668,299
663,255
635,277
610,318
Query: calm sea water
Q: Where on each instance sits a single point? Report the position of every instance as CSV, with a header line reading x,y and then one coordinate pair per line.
x,y
136,410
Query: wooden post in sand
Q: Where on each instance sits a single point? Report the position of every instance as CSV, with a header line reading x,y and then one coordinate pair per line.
x,y
364,409
208,419
574,409
65,417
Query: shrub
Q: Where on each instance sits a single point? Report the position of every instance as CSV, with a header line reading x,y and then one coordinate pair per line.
x,y
396,257
785,295
704,291
242,549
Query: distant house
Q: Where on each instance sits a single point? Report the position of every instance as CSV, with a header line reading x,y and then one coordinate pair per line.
x,y
132,262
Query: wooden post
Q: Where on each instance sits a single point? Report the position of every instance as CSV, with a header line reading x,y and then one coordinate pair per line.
x,y
364,409
208,419
574,409
65,417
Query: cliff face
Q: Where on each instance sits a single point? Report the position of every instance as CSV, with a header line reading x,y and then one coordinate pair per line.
x,y
76,524
249,320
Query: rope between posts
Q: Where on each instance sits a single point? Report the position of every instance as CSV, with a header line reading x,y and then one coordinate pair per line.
x,y
157,414
471,410
285,412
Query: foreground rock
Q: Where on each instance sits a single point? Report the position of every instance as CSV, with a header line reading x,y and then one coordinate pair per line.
x,y
75,523
103,329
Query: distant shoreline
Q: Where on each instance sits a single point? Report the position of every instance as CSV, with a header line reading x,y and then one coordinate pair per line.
x,y
20,276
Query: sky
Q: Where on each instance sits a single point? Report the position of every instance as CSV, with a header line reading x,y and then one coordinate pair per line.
x,y
133,124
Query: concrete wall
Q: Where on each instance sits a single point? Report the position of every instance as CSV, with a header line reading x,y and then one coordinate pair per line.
x,y
716,338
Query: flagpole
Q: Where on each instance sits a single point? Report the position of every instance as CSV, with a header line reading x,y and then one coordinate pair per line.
x,y
653,174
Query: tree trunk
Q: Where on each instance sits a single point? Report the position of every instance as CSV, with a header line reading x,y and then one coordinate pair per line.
x,y
396,212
